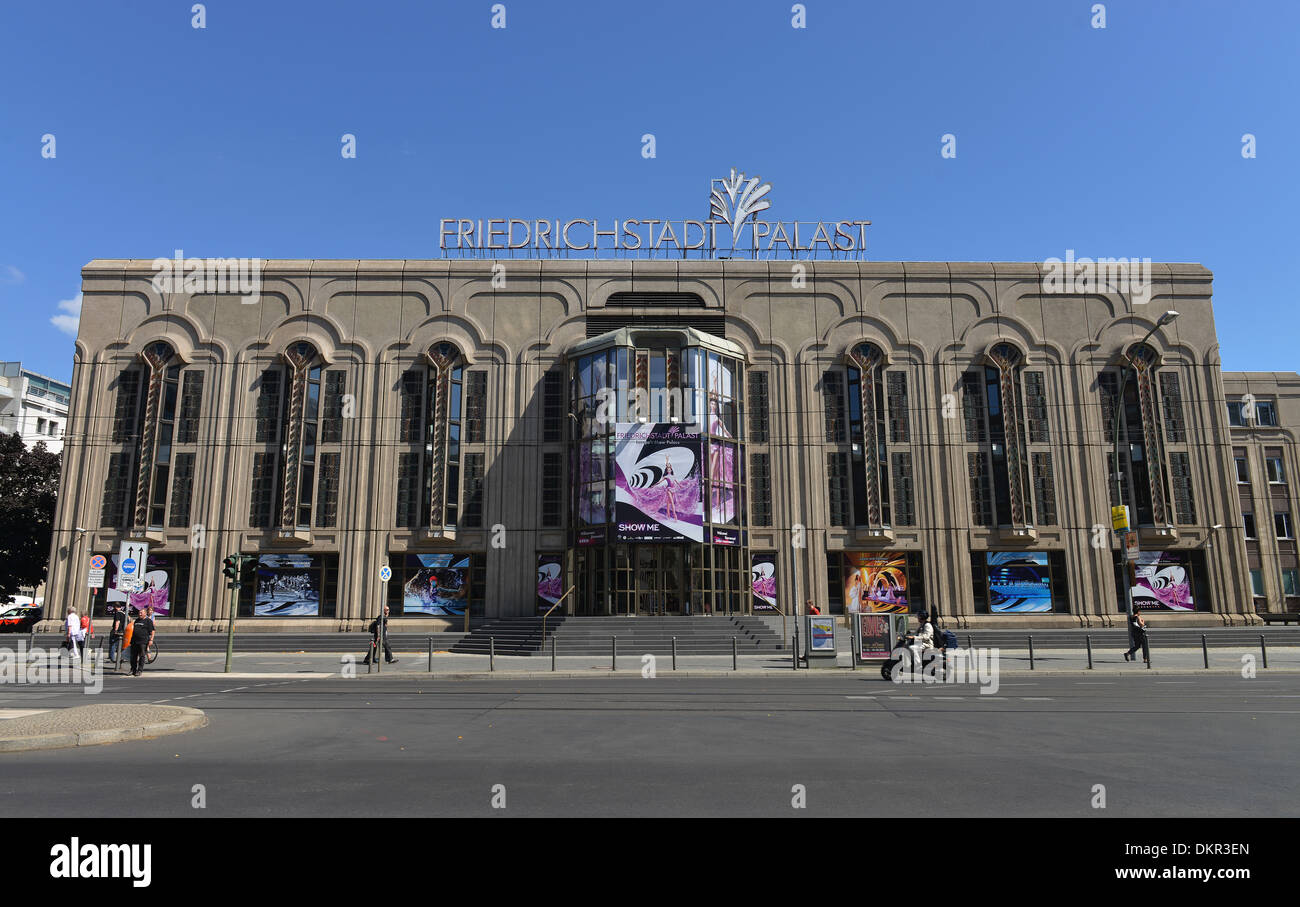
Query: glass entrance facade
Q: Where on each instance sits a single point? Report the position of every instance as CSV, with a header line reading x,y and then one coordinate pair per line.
x,y
657,485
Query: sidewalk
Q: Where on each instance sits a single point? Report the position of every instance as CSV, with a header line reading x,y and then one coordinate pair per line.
x,y
448,666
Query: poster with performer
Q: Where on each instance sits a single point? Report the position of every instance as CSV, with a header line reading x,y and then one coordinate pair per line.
x,y
288,585
155,592
550,581
657,482
762,581
875,581
436,584
1163,582
874,636
1019,582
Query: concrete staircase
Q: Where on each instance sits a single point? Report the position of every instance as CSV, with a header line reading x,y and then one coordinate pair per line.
x,y
595,636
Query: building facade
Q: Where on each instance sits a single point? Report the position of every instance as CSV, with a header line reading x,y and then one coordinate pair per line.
x,y
647,437
34,406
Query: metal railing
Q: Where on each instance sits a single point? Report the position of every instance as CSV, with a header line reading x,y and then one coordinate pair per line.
x,y
545,616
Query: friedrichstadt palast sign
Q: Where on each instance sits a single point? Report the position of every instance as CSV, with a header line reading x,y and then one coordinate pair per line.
x,y
731,230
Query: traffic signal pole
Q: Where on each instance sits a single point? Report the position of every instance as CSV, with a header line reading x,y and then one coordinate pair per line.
x,y
232,567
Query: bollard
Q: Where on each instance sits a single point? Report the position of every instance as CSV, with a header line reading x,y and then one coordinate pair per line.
x,y
969,644
1205,653
492,653
794,653
1263,649
674,653
613,653
430,654
1031,653
1088,639
370,658
552,653
733,653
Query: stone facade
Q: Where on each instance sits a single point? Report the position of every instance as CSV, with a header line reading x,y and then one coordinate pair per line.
x,y
932,322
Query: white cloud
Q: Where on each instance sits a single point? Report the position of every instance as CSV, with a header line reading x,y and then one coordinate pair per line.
x,y
10,274
68,323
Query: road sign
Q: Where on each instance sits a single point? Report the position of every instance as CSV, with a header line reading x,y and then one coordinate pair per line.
x,y
385,573
1119,518
95,579
1131,545
132,560
98,562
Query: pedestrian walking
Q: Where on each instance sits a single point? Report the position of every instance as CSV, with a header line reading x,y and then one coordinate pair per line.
x,y
141,636
1137,628
116,630
378,629
74,633
811,608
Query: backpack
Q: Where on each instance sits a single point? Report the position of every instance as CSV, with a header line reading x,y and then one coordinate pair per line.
x,y
949,639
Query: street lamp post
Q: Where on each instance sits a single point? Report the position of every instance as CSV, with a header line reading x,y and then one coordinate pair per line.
x,y
1164,319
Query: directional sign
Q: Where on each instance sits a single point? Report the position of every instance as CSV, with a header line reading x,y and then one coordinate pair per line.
x,y
95,579
385,573
132,559
98,562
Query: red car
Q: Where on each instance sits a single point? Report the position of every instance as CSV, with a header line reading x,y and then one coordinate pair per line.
x,y
20,618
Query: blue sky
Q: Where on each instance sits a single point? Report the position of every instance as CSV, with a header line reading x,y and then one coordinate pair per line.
x,y
1123,141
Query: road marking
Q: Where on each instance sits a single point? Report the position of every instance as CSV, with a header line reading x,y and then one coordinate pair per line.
x,y
951,698
1036,698
1095,683
859,697
1175,681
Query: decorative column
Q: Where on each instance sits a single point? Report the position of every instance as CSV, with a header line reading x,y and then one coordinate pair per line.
x,y
1006,359
156,356
300,356
443,357
867,359
1143,360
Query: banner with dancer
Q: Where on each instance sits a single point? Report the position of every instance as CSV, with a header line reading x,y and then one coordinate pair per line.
x,y
657,482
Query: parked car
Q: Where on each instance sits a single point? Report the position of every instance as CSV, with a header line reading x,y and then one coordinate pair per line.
x,y
20,618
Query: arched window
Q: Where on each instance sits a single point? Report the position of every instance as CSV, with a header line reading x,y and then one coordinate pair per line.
x,y
442,409
994,413
299,428
869,465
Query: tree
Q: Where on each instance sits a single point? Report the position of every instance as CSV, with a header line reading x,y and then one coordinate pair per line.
x,y
29,486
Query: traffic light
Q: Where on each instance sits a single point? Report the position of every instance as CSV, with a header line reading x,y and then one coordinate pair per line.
x,y
230,567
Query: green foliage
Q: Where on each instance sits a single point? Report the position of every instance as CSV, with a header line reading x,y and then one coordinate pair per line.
x,y
29,485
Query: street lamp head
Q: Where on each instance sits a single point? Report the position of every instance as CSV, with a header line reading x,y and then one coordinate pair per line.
x,y
1217,526
1167,318
79,529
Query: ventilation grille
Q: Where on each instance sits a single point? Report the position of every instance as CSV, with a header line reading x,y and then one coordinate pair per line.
x,y
710,324
657,299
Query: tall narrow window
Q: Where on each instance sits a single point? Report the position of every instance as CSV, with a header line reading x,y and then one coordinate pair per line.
x,y
758,407
408,490
1036,408
117,488
182,491
327,502
432,418
475,407
760,488
331,423
1171,402
1181,475
977,469
897,395
473,511
553,406
126,414
552,490
187,424
972,406
1044,489
904,503
837,487
833,405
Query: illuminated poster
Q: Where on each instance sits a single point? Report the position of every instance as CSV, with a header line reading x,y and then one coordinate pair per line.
x,y
437,584
762,581
288,585
1163,582
875,581
157,586
1019,582
550,581
657,482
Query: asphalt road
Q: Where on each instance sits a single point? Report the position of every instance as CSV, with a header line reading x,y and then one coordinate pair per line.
x,y
613,746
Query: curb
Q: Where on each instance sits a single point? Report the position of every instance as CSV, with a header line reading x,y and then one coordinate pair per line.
x,y
815,672
192,720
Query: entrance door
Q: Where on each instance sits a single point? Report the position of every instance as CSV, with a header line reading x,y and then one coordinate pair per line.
x,y
660,580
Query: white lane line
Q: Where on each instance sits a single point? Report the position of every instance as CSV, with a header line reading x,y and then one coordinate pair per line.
x,y
1175,681
1094,683
1036,698
859,697
951,698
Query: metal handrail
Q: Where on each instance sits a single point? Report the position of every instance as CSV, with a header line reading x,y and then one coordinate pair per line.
x,y
552,608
